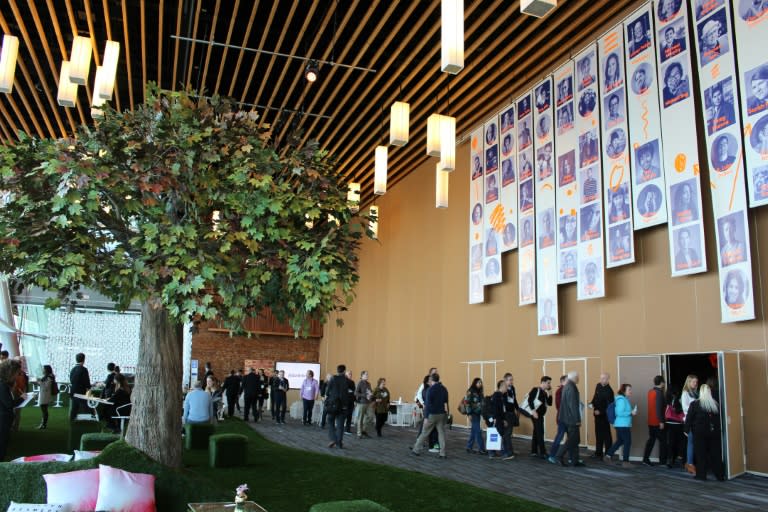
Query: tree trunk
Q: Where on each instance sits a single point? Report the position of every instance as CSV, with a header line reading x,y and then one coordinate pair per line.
x,y
155,426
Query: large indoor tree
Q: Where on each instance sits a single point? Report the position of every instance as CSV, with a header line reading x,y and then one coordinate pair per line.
x,y
184,205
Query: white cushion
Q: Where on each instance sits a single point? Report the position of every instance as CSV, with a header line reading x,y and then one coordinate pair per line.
x,y
79,489
35,507
85,454
50,457
121,491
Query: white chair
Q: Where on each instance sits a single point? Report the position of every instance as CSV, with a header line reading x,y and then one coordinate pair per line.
x,y
120,415
63,388
36,390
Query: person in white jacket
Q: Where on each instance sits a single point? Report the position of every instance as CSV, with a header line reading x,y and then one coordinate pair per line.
x,y
690,393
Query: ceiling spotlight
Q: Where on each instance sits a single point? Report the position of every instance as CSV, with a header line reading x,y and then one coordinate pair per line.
x,y
311,72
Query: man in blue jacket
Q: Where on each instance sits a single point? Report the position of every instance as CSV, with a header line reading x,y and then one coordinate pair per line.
x,y
435,415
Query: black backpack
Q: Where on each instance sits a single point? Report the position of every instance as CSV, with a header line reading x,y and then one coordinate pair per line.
x,y
488,409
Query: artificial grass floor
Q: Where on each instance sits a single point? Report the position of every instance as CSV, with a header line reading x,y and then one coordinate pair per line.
x,y
282,479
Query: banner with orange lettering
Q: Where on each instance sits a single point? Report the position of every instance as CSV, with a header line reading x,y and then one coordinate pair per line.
x,y
680,136
476,201
644,119
508,178
591,275
493,218
525,206
722,119
567,197
546,239
617,185
751,27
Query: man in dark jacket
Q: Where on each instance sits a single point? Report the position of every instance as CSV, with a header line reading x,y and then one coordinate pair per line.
x,y
273,380
602,398
541,395
570,415
335,407
231,388
280,396
250,390
109,382
351,386
656,406
79,383
435,415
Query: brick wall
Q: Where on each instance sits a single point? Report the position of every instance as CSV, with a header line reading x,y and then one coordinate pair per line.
x,y
226,353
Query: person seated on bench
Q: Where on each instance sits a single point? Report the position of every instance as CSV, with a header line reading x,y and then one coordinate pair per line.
x,y
121,396
197,405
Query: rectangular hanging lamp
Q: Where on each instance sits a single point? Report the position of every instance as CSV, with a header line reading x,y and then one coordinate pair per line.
x,y
441,187
537,8
109,70
373,224
447,143
380,171
399,118
353,197
80,60
8,56
67,93
433,135
96,100
452,36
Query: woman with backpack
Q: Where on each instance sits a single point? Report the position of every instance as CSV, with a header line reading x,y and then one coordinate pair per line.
x,y
703,420
622,423
673,425
473,407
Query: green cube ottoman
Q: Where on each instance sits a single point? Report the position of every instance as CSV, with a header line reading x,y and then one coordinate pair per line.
x,y
97,441
76,430
227,450
196,435
349,506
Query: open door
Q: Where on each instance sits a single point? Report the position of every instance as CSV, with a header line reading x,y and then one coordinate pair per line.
x,y
639,371
731,413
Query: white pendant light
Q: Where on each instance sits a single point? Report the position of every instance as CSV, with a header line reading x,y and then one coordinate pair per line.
x,y
452,36
447,143
67,93
399,119
433,135
441,187
8,56
80,60
380,171
109,70
96,100
353,197
373,224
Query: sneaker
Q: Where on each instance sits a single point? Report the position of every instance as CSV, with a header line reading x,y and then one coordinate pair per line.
x,y
647,462
607,458
483,452
434,450
552,460
331,444
533,454
509,457
346,433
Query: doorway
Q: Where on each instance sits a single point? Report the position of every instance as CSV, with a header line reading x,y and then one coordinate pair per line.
x,y
704,366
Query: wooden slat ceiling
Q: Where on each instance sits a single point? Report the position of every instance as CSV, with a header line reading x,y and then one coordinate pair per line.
x,y
346,110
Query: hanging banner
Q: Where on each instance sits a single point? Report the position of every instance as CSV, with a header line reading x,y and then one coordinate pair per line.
x,y
680,148
493,220
476,209
722,118
546,239
525,206
508,196
751,28
591,277
567,198
616,180
644,118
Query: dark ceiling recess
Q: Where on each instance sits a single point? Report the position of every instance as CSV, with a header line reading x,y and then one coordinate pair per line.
x,y
167,41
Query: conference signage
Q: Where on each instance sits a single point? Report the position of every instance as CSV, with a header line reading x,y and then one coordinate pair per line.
x,y
508,197
476,202
525,206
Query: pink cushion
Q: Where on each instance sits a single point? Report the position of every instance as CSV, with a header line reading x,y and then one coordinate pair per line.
x,y
78,489
50,457
121,491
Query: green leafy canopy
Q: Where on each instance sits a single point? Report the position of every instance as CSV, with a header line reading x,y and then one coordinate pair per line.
x,y
127,208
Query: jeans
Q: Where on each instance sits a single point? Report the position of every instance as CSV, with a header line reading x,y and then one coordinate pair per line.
x,y
280,406
572,444
561,429
603,437
689,453
475,434
537,441
655,433
435,421
336,427
623,438
308,406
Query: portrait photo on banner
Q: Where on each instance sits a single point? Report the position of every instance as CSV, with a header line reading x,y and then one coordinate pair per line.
x,y
713,37
759,137
684,204
590,222
565,118
592,271
588,184
668,9
736,288
613,73
649,200
719,101
618,201
648,162
642,79
525,166
757,89
752,10
507,119
564,90
687,248
568,264
568,236
639,37
620,242
732,236
547,234
723,153
676,81
702,8
507,171
526,232
526,195
614,109
672,40
544,162
566,168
